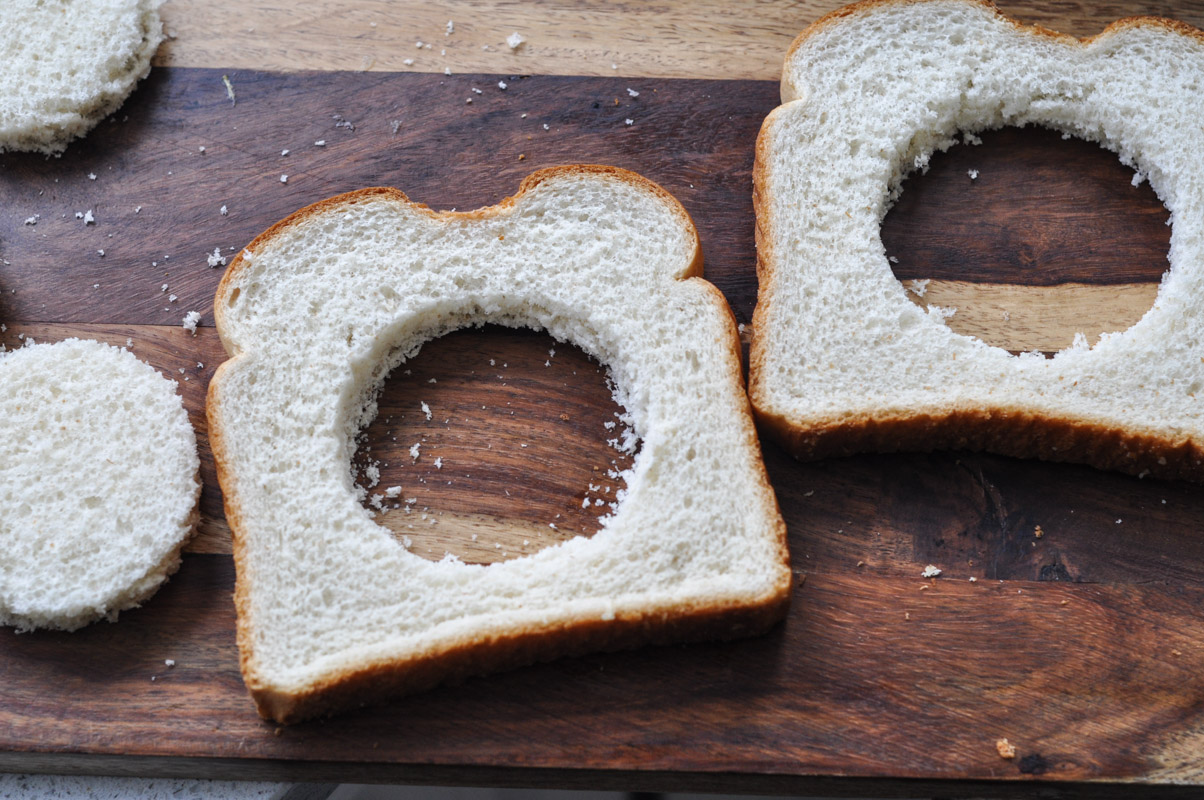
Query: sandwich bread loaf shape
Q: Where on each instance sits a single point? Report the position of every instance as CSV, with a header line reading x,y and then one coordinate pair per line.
x,y
842,362
332,610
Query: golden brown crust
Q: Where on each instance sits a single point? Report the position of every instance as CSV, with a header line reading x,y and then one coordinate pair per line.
x,y
373,684
1009,431
454,661
865,6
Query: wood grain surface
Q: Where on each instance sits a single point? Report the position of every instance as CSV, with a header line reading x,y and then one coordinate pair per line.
x,y
716,39
1082,646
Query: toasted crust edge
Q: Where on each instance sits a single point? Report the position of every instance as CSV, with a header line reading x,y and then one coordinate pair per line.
x,y
726,618
1006,430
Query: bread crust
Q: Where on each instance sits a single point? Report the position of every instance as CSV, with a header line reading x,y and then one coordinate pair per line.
x,y
519,644
1004,429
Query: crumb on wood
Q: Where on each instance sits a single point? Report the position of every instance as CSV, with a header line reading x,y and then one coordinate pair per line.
x,y
1037,532
1005,748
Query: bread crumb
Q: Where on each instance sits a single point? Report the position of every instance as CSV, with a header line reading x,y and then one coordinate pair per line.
x,y
190,321
91,176
393,492
451,28
973,173
925,587
170,662
629,121
1064,603
229,89
216,259
414,452
632,92
409,62
320,143
1005,748
1176,653
447,71
284,179
1037,532
918,287
223,211
439,462
33,220
515,40
973,579
930,571
201,148
861,563
501,85
906,615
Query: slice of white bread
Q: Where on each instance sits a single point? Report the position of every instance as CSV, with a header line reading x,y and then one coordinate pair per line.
x,y
98,483
66,64
332,610
842,362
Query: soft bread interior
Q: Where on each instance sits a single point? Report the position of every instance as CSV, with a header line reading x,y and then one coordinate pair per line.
x,y
68,64
322,306
98,483
869,95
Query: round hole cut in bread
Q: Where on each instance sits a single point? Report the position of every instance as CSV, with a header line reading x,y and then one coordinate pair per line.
x,y
98,483
842,362
67,64
332,610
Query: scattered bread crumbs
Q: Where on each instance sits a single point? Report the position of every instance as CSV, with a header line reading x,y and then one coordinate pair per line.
x,y
229,89
1005,748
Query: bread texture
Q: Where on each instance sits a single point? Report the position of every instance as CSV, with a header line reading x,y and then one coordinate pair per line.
x,y
98,483
66,64
842,362
333,611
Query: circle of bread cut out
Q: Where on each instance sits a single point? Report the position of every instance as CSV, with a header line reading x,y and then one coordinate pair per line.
x,y
842,362
98,483
67,64
333,610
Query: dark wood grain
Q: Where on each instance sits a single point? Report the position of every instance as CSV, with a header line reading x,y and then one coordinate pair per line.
x,y
1042,211
1082,646
445,152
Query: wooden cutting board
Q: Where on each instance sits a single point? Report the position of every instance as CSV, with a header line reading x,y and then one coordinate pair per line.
x,y
1084,647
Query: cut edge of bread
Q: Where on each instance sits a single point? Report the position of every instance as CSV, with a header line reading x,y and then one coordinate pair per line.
x,y
452,661
999,428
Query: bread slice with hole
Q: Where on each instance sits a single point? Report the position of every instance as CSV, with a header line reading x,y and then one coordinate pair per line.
x,y
333,611
69,63
98,483
842,362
